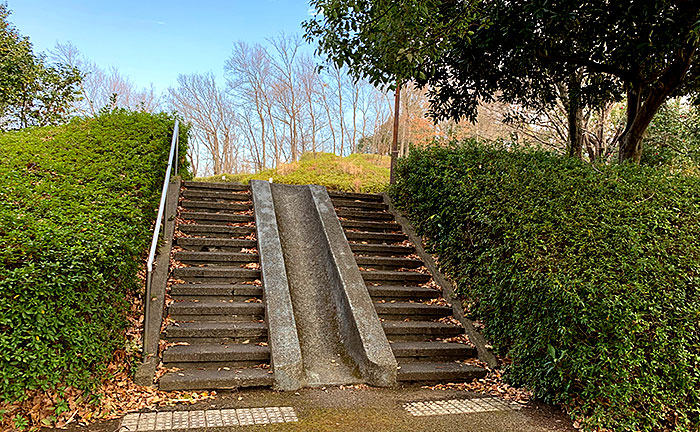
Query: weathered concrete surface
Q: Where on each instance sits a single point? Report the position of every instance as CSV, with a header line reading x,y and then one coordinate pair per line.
x,y
448,292
371,409
359,324
146,370
311,283
286,356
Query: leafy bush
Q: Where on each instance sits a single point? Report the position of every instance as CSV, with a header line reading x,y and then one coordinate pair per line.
x,y
354,173
586,276
76,206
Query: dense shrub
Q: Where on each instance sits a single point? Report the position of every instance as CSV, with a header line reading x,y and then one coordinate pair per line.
x,y
76,207
586,276
354,173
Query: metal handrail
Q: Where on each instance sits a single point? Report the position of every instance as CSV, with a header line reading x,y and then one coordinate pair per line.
x,y
172,169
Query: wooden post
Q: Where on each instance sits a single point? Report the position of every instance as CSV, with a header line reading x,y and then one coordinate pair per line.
x,y
395,138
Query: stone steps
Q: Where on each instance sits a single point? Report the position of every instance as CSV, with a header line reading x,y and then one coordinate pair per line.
x,y
362,215
397,276
381,249
375,237
238,187
383,292
216,330
216,257
423,329
214,218
228,274
354,196
201,194
204,243
216,378
203,353
217,308
410,326
388,262
370,225
216,230
406,310
439,372
198,205
406,351
216,290
346,203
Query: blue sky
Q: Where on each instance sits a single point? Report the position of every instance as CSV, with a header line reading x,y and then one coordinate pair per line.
x,y
152,41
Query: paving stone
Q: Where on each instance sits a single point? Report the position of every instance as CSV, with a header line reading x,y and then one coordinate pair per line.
x,y
214,418
245,417
147,421
181,420
130,422
229,417
164,420
197,419
457,406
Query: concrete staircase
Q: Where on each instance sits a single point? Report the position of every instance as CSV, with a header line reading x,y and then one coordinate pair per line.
x,y
215,335
343,296
428,343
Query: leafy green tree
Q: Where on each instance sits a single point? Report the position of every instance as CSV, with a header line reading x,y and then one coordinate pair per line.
x,y
643,51
31,92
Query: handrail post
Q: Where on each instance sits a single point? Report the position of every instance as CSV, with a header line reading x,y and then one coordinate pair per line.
x,y
172,158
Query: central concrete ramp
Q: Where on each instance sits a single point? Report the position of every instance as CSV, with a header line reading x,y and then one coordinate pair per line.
x,y
339,333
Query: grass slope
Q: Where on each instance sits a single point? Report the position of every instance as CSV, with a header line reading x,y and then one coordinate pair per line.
x,y
354,173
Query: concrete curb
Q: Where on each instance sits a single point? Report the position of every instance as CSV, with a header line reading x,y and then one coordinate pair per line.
x,y
285,352
360,327
448,292
147,370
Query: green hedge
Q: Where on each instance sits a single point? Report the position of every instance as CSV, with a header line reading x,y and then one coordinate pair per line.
x,y
76,207
588,277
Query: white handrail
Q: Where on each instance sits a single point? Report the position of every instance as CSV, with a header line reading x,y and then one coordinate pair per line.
x,y
172,162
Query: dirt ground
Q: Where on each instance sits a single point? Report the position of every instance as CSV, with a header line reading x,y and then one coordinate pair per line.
x,y
371,409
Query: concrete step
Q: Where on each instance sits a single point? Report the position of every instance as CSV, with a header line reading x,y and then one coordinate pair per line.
x,y
215,230
434,350
355,196
374,237
406,277
216,330
438,371
421,330
203,309
387,262
215,206
405,292
200,194
233,274
216,218
362,215
248,290
216,257
238,187
216,353
365,205
401,310
381,250
203,379
371,225
212,244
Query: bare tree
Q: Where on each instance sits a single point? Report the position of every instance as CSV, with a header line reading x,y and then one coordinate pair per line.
x,y
211,113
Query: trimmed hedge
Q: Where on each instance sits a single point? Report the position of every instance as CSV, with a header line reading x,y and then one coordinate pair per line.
x,y
588,277
76,208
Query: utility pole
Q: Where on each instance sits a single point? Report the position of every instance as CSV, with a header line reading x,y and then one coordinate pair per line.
x,y
395,138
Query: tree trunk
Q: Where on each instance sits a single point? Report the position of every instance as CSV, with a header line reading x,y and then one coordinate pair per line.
x,y
575,117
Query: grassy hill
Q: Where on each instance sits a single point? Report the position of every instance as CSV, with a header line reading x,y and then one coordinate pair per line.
x,y
354,173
